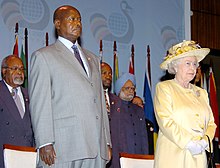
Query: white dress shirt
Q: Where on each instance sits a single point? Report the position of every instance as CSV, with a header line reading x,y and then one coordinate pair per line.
x,y
69,45
19,94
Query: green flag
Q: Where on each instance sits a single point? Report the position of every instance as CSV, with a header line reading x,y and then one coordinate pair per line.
x,y
25,84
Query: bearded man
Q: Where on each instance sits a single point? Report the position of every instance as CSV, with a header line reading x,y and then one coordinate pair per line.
x,y
128,128
15,128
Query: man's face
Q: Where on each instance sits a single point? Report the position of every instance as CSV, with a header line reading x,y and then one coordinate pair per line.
x,y
127,91
13,74
106,73
69,24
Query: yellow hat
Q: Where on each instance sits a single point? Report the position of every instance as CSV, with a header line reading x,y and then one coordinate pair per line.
x,y
184,49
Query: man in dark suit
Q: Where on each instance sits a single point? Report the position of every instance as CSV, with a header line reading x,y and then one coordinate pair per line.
x,y
113,102
67,102
15,128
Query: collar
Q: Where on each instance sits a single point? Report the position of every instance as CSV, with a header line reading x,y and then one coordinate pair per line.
x,y
67,43
10,88
126,102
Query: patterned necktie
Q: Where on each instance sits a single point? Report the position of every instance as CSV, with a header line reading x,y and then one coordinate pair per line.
x,y
77,55
18,101
106,102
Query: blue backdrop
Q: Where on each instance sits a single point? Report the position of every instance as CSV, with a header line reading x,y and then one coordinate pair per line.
x,y
158,23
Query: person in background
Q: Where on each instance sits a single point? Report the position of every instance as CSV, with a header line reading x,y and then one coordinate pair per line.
x,y
182,111
113,102
138,101
128,128
15,119
149,125
67,103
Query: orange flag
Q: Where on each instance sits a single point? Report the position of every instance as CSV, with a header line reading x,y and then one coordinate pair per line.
x,y
15,49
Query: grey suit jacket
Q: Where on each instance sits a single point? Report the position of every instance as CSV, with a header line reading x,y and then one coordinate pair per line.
x,y
68,107
13,129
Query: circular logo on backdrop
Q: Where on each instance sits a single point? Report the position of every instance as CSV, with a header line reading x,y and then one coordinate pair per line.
x,y
27,13
117,27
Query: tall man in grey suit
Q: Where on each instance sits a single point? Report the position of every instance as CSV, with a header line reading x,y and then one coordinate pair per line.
x,y
67,103
15,121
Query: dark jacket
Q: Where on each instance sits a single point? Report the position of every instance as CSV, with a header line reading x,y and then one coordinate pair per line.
x,y
13,129
128,129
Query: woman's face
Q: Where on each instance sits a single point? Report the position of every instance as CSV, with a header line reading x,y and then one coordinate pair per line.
x,y
186,68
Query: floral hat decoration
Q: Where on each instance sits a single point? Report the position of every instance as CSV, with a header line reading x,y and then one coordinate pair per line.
x,y
184,49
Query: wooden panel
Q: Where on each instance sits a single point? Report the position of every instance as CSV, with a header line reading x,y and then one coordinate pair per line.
x,y
136,156
205,23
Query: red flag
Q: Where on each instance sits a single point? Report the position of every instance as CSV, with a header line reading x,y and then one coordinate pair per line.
x,y
131,64
213,102
15,49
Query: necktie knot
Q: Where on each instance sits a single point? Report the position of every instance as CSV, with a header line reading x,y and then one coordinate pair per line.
x,y
14,92
77,55
74,47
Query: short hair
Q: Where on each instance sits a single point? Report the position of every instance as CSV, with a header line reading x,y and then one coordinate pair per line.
x,y
5,63
59,12
173,65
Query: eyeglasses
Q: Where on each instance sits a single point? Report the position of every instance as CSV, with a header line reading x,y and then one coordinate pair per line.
x,y
189,64
15,69
129,88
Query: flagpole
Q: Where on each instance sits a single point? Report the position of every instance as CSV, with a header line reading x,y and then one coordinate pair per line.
x,y
148,64
47,38
26,48
131,64
101,51
114,65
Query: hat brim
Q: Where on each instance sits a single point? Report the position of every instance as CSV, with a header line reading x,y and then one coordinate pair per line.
x,y
198,53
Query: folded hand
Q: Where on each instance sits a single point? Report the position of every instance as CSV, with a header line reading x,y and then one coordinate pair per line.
x,y
195,147
48,155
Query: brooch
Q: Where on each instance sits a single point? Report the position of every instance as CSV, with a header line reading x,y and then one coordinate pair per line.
x,y
197,93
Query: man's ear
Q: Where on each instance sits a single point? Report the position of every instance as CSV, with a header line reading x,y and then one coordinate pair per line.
x,y
57,24
3,71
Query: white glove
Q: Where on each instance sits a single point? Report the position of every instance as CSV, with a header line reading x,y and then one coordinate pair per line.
x,y
203,143
194,147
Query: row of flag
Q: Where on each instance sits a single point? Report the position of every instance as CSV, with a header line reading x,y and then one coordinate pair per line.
x,y
23,51
211,89
22,54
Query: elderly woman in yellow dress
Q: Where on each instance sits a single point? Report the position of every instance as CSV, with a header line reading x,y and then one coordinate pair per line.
x,y
182,111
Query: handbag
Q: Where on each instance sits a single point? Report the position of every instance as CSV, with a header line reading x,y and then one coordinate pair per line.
x,y
210,156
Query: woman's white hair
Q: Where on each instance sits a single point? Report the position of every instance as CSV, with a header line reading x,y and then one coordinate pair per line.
x,y
172,66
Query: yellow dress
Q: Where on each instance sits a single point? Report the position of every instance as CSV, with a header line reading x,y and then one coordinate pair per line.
x,y
182,115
